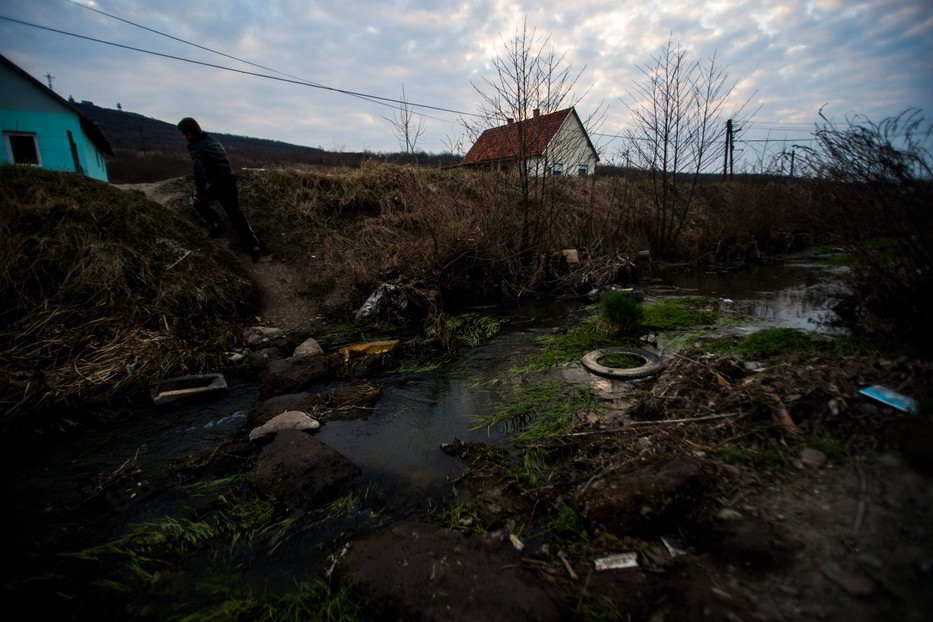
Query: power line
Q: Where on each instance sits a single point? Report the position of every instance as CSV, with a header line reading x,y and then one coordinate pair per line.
x,y
207,49
374,98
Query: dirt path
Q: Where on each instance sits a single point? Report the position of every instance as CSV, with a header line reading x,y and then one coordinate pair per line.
x,y
284,304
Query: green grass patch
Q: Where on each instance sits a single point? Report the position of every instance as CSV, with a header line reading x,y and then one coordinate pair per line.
x,y
567,520
681,313
765,459
157,544
620,360
311,602
472,329
830,447
538,411
781,341
462,516
563,348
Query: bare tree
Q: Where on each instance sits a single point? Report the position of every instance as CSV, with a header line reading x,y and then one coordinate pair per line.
x,y
678,110
531,79
406,128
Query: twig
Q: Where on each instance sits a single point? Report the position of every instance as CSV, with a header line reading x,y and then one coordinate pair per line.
x,y
860,511
567,566
178,261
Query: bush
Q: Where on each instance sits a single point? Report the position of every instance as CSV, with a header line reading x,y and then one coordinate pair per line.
x,y
622,312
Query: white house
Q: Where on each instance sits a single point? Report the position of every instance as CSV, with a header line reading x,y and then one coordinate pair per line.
x,y
555,143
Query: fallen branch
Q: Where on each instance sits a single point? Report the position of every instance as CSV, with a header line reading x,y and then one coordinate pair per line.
x,y
637,424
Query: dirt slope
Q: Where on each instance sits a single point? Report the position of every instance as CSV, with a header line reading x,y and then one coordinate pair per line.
x,y
284,304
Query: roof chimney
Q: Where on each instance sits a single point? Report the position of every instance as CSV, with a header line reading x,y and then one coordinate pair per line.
x,y
509,120
536,112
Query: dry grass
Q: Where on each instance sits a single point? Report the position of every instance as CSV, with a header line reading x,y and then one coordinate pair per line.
x,y
359,227
103,290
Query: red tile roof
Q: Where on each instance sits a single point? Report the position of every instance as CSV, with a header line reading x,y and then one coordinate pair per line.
x,y
503,142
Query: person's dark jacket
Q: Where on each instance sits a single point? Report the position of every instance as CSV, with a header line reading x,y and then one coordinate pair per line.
x,y
211,164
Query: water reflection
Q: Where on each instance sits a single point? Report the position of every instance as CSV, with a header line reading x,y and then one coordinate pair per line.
x,y
797,295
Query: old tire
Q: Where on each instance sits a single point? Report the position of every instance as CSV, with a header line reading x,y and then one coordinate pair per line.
x,y
652,364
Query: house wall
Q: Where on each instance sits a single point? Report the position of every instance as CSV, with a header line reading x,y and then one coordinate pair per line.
x,y
25,108
571,148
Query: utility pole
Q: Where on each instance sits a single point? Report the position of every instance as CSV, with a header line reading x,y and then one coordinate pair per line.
x,y
727,152
49,77
731,147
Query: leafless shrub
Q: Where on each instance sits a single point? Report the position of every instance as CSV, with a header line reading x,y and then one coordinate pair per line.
x,y
875,191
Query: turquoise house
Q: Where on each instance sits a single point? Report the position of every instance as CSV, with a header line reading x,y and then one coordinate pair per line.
x,y
42,129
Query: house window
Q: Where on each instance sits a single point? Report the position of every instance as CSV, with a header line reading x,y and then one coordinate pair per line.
x,y
582,169
558,168
22,148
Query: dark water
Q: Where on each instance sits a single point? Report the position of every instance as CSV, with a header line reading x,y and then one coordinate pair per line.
x,y
797,293
397,446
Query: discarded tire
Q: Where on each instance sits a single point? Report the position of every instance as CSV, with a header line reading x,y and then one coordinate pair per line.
x,y
652,364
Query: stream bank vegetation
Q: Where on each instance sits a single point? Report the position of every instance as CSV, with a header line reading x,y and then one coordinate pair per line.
x,y
105,291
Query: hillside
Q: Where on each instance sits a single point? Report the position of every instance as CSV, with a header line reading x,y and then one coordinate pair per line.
x,y
135,132
148,149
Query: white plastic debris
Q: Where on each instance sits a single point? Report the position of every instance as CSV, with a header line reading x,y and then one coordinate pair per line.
x,y
617,562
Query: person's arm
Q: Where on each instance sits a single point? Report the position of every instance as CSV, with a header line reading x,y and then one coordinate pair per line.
x,y
200,170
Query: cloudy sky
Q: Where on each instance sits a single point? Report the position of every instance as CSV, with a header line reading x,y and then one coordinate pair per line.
x,y
786,58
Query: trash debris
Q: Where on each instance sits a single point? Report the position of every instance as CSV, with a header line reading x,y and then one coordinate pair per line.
x,y
890,398
571,255
516,542
364,349
123,487
617,562
173,389
375,301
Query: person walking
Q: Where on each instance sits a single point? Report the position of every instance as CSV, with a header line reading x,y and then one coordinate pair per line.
x,y
214,179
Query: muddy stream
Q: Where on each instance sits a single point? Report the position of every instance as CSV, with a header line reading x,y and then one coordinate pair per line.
x,y
50,478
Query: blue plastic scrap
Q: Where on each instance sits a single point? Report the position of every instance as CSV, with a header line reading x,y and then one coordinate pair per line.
x,y
891,398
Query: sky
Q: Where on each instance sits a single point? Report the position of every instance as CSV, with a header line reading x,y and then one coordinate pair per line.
x,y
786,60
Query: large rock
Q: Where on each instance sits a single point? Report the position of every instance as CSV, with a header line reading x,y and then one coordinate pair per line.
x,y
416,570
292,374
288,420
275,406
644,501
309,347
301,471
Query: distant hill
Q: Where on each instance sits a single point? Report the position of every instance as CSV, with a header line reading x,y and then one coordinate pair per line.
x,y
148,149
134,132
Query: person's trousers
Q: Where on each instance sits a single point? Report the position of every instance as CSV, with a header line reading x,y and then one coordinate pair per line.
x,y
228,196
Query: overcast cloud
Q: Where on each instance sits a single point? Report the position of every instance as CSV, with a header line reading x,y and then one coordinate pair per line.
x,y
788,58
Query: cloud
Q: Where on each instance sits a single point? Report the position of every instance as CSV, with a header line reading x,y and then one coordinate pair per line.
x,y
787,58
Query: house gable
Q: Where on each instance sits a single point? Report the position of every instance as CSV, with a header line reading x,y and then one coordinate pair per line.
x,y
61,138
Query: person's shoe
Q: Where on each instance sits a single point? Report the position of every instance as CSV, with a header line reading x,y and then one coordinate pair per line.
x,y
256,253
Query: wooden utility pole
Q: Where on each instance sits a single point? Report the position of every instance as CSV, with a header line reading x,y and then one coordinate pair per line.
x,y
727,152
731,146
